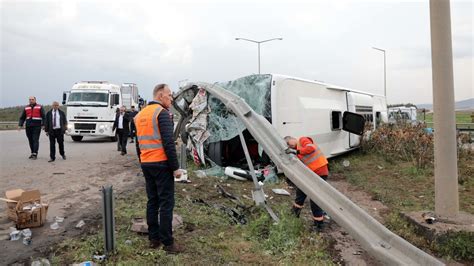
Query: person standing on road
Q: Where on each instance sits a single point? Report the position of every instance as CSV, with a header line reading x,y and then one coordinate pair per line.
x,y
310,154
157,154
122,124
132,115
55,127
33,118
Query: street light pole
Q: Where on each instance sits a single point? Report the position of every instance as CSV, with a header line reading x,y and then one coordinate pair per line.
x,y
384,72
258,46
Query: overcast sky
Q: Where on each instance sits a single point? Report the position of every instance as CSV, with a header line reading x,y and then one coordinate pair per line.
x,y
47,46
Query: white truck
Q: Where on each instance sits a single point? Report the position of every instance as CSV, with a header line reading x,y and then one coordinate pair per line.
x,y
92,106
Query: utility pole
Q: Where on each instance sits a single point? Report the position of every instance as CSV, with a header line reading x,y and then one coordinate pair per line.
x,y
445,148
384,72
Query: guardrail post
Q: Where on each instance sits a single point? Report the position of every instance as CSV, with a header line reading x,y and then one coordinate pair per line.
x,y
108,218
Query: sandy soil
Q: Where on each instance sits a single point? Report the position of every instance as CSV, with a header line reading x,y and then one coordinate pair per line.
x,y
71,187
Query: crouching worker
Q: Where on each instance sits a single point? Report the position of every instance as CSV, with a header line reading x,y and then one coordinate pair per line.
x,y
310,154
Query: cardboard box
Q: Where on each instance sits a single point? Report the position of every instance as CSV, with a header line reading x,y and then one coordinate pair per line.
x,y
25,208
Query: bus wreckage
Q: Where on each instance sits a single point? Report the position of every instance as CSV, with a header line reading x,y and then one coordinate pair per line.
x,y
243,122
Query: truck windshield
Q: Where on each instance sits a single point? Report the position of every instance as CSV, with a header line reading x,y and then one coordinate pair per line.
x,y
90,97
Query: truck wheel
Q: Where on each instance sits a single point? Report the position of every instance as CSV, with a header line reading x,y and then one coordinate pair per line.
x,y
113,139
77,138
215,152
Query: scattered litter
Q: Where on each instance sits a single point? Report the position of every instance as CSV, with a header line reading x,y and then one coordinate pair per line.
x,y
281,191
246,197
200,173
177,221
41,262
183,178
100,257
139,225
428,217
421,196
127,165
357,253
59,219
260,183
26,232
59,173
27,241
236,216
80,224
15,235
271,197
85,263
184,190
128,242
54,226
379,167
375,209
346,163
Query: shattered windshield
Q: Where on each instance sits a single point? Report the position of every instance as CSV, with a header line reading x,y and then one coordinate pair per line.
x,y
255,90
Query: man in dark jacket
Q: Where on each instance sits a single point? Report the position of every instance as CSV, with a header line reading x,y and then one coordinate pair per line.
x,y
122,124
33,115
157,153
132,115
55,127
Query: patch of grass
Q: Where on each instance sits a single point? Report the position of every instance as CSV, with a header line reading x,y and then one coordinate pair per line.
x,y
457,246
461,117
209,236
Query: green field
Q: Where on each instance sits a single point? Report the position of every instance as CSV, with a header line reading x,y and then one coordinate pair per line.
x,y
461,117
9,114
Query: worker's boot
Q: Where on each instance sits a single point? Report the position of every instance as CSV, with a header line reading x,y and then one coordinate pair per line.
x,y
296,211
318,226
173,249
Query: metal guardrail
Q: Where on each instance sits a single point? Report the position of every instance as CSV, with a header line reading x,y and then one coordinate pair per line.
x,y
8,125
380,242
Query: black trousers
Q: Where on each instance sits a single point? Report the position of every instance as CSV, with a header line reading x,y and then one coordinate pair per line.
x,y
122,140
301,197
33,134
160,192
56,135
132,131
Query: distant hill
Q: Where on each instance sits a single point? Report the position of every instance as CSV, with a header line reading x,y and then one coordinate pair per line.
x,y
464,105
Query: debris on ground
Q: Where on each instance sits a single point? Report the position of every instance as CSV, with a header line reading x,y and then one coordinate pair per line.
x,y
183,178
25,208
80,224
85,263
281,191
139,224
100,258
54,226
236,216
41,262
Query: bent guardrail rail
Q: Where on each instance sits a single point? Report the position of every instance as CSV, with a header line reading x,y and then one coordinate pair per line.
x,y
380,242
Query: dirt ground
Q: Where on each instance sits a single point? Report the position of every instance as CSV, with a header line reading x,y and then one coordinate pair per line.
x,y
71,187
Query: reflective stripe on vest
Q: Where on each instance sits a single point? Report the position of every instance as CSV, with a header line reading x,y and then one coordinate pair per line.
x,y
33,113
315,159
148,135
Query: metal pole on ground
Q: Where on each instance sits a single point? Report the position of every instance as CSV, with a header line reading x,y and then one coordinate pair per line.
x,y
445,149
108,218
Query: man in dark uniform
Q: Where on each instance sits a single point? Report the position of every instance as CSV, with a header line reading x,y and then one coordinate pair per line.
x,y
55,127
157,153
33,115
132,115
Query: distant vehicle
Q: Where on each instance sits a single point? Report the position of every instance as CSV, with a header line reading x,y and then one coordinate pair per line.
x,y
92,106
294,106
402,113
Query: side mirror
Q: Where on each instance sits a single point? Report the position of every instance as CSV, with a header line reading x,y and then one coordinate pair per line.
x,y
353,123
116,99
64,98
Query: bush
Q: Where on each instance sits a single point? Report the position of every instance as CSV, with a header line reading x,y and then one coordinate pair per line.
x,y
401,142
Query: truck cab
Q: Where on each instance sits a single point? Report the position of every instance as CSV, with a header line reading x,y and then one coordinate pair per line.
x,y
91,109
